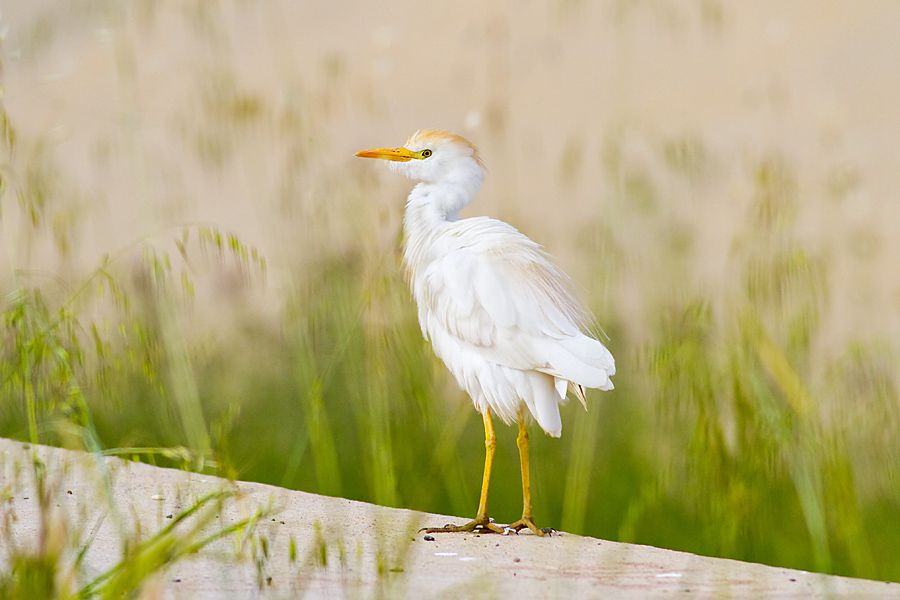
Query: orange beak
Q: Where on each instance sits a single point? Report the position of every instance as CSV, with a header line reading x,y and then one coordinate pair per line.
x,y
394,154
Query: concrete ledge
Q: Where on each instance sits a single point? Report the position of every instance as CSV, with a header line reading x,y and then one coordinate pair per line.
x,y
353,549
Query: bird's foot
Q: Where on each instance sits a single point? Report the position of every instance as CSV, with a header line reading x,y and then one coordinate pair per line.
x,y
476,525
527,523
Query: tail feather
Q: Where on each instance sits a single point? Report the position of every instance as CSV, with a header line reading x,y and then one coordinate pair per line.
x,y
581,360
591,352
544,404
578,390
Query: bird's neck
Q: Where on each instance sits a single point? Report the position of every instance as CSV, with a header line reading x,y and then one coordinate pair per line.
x,y
430,205
429,209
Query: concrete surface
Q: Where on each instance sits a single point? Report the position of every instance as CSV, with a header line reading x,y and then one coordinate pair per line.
x,y
358,550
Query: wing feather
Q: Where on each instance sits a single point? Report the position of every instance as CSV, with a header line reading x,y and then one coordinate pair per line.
x,y
496,291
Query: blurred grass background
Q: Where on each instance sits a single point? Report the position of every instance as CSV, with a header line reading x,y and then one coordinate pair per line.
x,y
197,273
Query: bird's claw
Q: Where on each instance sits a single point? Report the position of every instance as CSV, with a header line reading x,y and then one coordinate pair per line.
x,y
477,525
527,523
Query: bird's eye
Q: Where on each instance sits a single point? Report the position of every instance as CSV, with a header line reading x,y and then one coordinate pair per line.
x,y
426,153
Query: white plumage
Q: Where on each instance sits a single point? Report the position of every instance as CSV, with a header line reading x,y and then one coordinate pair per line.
x,y
497,310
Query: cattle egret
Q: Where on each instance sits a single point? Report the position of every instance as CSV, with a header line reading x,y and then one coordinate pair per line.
x,y
497,311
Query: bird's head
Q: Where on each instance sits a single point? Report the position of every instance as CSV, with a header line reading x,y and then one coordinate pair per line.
x,y
433,156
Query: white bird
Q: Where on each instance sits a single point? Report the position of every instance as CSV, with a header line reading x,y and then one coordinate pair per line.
x,y
497,311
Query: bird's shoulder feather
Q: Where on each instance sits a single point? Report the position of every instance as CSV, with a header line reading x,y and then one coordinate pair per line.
x,y
491,294
491,284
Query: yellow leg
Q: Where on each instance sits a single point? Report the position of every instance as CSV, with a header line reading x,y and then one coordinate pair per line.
x,y
490,444
481,522
527,517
